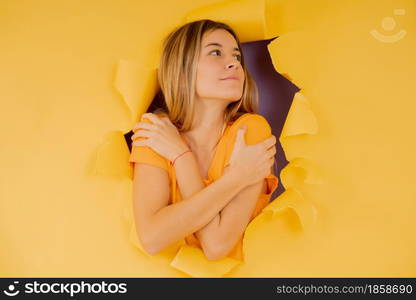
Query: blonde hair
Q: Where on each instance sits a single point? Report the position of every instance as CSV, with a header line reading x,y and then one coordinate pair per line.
x,y
177,75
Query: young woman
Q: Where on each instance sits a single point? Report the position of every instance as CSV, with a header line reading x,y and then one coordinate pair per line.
x,y
202,166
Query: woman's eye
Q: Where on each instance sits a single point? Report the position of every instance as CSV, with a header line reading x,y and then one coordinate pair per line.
x,y
215,51
236,55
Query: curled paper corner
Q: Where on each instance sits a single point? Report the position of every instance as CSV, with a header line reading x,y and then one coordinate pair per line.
x,y
300,118
112,157
137,84
192,261
293,199
246,17
300,170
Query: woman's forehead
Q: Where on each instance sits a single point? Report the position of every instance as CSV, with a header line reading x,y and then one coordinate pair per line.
x,y
219,36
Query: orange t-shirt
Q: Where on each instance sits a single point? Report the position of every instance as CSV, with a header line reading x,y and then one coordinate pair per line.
x,y
258,129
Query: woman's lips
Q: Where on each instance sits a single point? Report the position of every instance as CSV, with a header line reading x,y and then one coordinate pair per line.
x,y
230,78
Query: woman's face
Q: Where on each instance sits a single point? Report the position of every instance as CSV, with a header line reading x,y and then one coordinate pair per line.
x,y
218,60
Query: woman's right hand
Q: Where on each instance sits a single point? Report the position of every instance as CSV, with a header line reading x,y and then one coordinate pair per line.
x,y
251,163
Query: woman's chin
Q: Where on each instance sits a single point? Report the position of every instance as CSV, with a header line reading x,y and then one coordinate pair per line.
x,y
233,98
228,96
231,95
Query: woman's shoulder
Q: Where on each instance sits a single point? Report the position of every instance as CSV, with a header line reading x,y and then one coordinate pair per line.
x,y
252,120
258,128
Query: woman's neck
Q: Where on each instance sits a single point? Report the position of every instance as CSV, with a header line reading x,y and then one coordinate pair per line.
x,y
204,140
208,125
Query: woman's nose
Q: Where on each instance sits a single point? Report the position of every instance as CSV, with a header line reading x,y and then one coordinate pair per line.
x,y
232,65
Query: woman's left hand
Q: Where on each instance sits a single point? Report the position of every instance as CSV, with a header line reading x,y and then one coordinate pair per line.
x,y
162,136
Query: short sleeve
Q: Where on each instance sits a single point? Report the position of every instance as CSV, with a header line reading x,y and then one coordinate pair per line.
x,y
271,184
258,129
146,155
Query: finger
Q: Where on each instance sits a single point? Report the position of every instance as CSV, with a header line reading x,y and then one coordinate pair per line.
x,y
141,133
271,160
240,135
268,165
271,152
272,168
153,118
269,142
239,141
143,125
143,142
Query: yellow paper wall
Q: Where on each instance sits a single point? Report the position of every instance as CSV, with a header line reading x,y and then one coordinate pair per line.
x,y
75,76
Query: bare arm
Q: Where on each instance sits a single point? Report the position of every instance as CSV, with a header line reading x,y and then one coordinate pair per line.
x,y
233,221
158,224
222,233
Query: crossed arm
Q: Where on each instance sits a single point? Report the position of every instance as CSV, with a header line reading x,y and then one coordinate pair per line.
x,y
222,233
